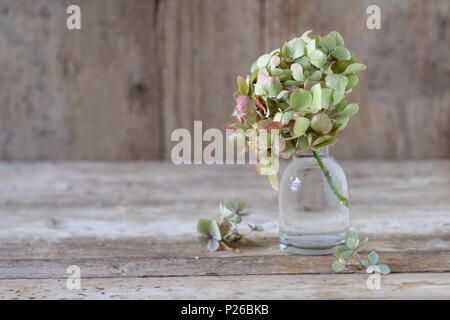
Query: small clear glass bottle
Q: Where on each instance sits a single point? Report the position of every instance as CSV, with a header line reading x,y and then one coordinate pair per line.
x,y
312,220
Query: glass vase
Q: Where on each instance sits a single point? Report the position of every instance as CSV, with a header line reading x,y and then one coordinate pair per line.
x,y
312,219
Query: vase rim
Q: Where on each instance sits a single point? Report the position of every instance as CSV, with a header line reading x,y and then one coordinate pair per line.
x,y
324,152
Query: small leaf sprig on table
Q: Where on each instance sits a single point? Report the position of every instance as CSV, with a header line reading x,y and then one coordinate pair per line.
x,y
350,251
224,233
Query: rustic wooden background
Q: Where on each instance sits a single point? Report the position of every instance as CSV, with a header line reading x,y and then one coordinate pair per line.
x,y
138,69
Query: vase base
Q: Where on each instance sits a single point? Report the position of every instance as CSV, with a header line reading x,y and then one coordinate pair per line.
x,y
310,245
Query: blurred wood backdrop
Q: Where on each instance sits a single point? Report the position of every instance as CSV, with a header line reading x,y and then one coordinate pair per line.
x,y
138,69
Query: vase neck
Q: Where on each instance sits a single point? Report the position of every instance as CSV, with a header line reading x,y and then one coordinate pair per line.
x,y
323,153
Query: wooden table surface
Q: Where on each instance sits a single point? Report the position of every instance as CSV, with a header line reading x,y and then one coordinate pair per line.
x,y
131,228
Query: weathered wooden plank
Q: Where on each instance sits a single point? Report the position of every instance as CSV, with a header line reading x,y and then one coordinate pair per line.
x,y
186,247
206,45
173,265
123,223
105,200
343,286
93,93
139,69
387,124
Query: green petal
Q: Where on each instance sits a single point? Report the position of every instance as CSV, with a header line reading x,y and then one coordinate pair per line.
x,y
337,266
341,53
354,67
300,98
321,123
300,126
203,241
213,245
318,59
203,226
362,244
373,257
384,269
214,230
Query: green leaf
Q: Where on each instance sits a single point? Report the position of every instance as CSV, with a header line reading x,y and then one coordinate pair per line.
x,y
365,263
339,250
300,126
203,240
213,245
362,244
203,226
318,58
288,150
316,92
354,67
277,116
305,36
234,204
372,268
321,123
339,106
292,83
268,86
384,269
341,123
336,81
261,62
310,48
295,48
273,179
347,253
373,257
352,81
328,142
324,141
328,43
214,230
274,61
285,52
315,76
282,74
349,111
350,235
341,53
337,266
258,228
304,62
297,72
300,98
242,85
224,227
327,97
302,143
337,38
286,117
351,240
283,94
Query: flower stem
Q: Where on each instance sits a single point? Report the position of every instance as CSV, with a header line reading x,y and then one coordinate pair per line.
x,y
330,181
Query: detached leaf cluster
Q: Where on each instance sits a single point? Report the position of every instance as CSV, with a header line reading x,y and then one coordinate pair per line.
x,y
300,90
223,233
350,251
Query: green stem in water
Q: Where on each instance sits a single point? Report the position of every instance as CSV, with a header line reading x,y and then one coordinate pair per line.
x,y
330,181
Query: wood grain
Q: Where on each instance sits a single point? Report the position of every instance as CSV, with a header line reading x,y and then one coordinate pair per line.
x,y
139,69
342,286
131,229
